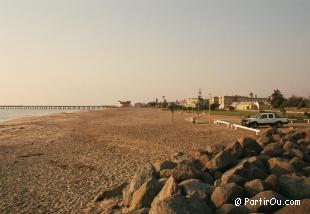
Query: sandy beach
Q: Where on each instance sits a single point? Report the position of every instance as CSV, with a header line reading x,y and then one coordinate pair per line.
x,y
59,163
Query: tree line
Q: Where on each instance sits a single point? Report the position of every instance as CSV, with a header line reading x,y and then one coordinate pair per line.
x,y
278,100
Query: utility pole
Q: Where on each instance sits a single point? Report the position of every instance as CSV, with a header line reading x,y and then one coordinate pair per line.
x,y
198,104
210,97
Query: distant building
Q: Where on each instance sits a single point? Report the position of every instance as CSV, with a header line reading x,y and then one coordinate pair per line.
x,y
246,105
225,102
182,102
214,100
122,104
191,102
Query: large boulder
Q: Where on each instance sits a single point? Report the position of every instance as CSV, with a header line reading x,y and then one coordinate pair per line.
x,y
266,137
203,160
235,149
171,188
264,140
249,168
255,186
295,187
178,204
304,207
165,173
196,188
207,178
143,174
159,166
250,146
214,149
296,136
273,149
195,154
297,164
251,171
180,157
232,209
280,166
296,153
272,182
222,161
185,171
144,196
256,204
237,179
288,145
227,194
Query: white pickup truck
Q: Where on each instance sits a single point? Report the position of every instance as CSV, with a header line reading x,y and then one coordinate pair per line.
x,y
264,119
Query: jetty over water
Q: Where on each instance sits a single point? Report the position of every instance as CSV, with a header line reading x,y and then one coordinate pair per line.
x,y
35,107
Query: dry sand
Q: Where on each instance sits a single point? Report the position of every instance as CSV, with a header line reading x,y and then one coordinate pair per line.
x,y
59,163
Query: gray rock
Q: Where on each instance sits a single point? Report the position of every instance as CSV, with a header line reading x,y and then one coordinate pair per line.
x,y
178,204
246,168
166,173
296,136
294,187
203,160
235,149
266,137
222,161
143,174
185,171
280,166
273,149
196,188
272,183
237,179
250,146
255,186
170,188
144,196
287,146
227,194
264,140
297,164
207,178
296,153
180,157
214,149
159,166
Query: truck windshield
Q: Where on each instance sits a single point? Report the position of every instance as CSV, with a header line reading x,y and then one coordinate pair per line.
x,y
258,115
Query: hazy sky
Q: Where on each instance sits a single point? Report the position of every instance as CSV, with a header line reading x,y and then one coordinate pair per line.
x,y
100,51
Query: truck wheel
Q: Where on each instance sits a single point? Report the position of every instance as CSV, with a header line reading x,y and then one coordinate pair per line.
x,y
279,124
254,125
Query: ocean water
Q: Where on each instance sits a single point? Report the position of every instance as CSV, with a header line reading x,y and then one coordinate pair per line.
x,y
10,114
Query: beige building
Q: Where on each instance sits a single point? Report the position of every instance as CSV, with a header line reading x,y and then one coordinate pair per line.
x,y
226,101
214,100
189,103
246,105
122,104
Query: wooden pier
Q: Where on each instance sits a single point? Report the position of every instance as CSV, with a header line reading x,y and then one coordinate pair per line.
x,y
34,107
